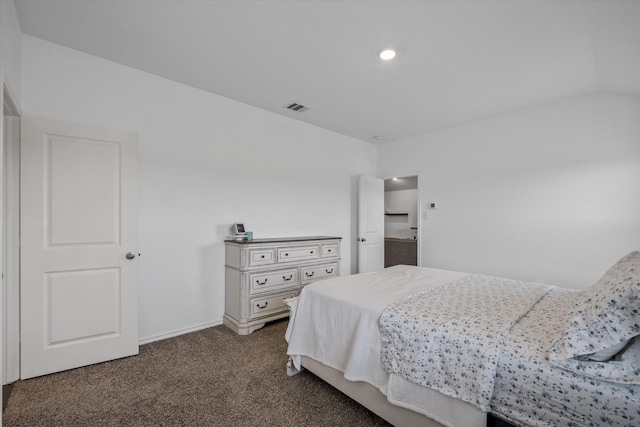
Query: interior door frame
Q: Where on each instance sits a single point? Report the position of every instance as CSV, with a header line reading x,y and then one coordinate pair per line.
x,y
419,207
10,306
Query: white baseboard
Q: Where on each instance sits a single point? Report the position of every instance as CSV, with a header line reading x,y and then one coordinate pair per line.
x,y
177,332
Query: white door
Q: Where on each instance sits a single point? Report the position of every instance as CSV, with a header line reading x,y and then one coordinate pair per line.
x,y
79,221
370,224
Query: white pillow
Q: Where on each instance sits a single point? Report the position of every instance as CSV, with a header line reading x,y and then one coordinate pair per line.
x,y
604,319
604,315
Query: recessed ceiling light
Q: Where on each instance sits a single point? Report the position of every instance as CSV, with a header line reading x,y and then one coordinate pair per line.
x,y
386,53
395,178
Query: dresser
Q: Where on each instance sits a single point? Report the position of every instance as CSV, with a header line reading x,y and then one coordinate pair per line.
x,y
261,273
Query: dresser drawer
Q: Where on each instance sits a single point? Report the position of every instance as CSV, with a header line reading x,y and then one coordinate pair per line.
x,y
330,250
316,272
298,253
272,281
270,305
262,256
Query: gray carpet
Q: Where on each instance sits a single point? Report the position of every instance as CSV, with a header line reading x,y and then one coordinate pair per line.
x,y
211,377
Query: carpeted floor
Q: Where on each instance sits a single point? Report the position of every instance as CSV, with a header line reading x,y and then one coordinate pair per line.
x,y
211,377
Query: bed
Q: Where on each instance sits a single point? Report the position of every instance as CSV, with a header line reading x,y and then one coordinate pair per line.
x,y
421,346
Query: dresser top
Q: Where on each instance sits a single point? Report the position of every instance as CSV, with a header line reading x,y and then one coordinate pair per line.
x,y
281,239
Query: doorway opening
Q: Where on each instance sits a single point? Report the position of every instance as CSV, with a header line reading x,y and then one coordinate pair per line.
x,y
401,221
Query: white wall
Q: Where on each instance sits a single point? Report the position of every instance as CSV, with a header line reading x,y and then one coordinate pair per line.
x,y
549,194
405,201
10,46
205,163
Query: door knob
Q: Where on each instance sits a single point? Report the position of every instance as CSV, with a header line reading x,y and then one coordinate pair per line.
x,y
130,255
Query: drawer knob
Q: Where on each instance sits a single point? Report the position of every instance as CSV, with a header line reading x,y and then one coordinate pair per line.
x,y
311,252
328,250
262,306
329,271
262,256
286,254
309,275
286,279
262,283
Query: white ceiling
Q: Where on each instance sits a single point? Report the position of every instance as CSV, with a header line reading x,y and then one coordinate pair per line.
x,y
457,60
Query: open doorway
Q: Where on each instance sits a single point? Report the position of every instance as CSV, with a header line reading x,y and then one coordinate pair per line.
x,y
401,221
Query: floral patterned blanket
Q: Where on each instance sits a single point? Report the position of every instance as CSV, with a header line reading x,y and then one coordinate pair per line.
x,y
450,337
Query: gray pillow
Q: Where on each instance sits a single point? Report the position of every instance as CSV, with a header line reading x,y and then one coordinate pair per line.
x,y
623,368
605,315
607,353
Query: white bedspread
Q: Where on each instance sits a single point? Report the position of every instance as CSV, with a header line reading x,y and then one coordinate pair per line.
x,y
336,323
449,338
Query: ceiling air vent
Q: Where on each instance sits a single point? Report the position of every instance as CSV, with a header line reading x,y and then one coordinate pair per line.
x,y
294,106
